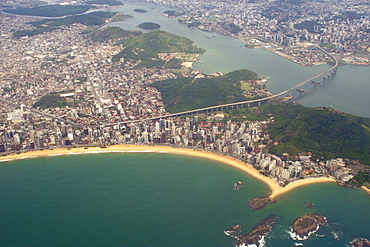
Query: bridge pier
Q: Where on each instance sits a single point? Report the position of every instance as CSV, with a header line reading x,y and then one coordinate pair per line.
x,y
301,90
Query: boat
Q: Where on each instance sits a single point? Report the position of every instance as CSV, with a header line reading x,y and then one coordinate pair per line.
x,y
237,185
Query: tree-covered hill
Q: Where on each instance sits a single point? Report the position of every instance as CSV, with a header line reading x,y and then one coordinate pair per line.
x,y
145,47
149,25
323,131
51,100
47,25
189,93
90,19
115,33
108,2
308,25
55,10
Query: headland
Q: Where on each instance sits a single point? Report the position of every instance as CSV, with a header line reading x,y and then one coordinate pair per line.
x,y
276,190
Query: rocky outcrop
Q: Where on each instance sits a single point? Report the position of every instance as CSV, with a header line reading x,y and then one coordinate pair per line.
x,y
232,230
360,242
309,204
257,233
259,203
304,226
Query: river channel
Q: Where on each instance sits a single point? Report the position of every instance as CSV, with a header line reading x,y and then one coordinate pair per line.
x,y
346,92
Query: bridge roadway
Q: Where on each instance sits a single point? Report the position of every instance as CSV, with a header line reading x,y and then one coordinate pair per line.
x,y
256,102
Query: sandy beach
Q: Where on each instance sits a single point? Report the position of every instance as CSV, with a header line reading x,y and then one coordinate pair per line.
x,y
366,189
275,188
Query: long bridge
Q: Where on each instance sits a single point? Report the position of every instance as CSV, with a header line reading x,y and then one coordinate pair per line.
x,y
250,103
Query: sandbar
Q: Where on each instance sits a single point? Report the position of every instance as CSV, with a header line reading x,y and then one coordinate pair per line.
x,y
276,190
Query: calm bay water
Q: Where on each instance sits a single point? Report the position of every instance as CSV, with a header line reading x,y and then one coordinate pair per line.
x,y
151,199
346,92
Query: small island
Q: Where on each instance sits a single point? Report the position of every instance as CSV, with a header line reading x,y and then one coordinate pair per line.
x,y
140,10
303,227
149,26
259,203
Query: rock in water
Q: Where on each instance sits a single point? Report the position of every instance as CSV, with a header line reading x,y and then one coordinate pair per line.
x,y
232,230
257,233
360,242
304,226
309,204
259,203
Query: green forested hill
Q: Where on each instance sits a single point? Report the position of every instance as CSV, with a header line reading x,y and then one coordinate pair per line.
x,y
189,93
47,25
50,100
102,35
149,25
108,2
145,47
55,10
323,131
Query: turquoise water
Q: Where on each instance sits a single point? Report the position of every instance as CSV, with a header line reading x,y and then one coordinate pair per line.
x,y
149,199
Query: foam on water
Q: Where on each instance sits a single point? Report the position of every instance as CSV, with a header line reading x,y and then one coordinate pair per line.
x,y
295,236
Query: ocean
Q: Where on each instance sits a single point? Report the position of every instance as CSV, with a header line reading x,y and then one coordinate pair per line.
x,y
158,199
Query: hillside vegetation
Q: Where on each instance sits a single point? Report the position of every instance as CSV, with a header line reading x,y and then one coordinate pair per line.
x,y
108,2
323,131
145,47
112,33
51,100
149,25
189,93
308,25
47,25
55,10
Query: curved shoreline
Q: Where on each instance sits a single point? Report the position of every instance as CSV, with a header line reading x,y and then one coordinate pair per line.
x,y
276,190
